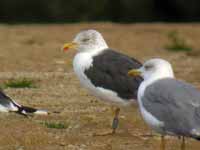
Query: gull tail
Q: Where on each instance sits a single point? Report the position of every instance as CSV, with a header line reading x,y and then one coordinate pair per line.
x,y
195,133
196,137
25,110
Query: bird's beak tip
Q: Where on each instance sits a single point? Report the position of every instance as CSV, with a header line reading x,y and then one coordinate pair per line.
x,y
68,46
65,49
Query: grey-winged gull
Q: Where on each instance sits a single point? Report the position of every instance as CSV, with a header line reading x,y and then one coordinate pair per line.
x,y
9,105
169,106
103,71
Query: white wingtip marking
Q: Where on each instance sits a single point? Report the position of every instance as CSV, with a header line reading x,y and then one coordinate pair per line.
x,y
41,112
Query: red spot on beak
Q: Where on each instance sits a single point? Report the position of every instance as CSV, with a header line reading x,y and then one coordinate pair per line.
x,y
65,49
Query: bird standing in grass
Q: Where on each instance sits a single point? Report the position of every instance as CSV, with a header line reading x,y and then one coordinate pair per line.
x,y
169,106
103,71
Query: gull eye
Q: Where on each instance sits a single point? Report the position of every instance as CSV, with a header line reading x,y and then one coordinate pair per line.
x,y
147,67
85,40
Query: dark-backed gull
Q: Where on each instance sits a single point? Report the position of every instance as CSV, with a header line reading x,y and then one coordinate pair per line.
x,y
103,71
169,106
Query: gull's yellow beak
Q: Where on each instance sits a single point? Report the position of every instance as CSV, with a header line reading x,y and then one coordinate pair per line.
x,y
134,72
71,45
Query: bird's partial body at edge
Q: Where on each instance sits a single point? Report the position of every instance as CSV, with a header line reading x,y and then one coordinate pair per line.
x,y
9,105
169,106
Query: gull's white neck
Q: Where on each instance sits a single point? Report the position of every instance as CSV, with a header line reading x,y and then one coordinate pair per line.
x,y
84,58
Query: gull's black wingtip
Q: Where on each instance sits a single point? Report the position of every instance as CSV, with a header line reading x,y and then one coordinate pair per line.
x,y
24,110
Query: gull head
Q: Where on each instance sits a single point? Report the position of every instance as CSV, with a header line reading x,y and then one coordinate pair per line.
x,y
154,69
87,41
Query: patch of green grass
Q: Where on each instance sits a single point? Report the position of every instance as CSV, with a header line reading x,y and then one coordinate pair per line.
x,y
177,43
19,83
55,125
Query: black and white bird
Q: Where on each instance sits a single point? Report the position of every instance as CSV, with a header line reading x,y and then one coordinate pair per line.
x,y
169,106
9,105
103,71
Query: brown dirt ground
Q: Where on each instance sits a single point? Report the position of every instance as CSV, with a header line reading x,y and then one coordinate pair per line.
x,y
33,51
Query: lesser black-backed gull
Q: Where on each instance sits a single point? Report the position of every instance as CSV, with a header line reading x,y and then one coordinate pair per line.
x,y
9,105
103,71
169,106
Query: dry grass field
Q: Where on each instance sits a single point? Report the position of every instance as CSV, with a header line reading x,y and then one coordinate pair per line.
x,y
33,52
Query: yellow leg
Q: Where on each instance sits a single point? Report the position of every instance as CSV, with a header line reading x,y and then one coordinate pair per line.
x,y
115,120
114,125
183,143
162,145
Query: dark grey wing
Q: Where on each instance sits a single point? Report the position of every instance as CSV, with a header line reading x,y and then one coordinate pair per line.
x,y
109,70
174,102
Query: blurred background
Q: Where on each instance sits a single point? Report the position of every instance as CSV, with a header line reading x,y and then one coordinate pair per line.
x,y
36,73
124,11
